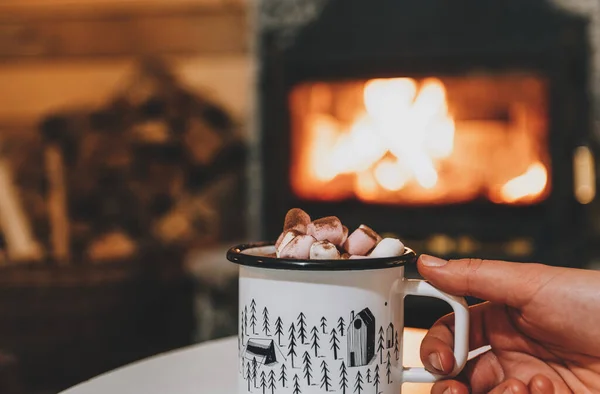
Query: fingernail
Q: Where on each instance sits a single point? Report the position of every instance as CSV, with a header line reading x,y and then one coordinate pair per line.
x,y
436,361
431,261
447,391
508,391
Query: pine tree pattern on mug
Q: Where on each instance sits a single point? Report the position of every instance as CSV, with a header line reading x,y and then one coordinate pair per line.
x,y
350,355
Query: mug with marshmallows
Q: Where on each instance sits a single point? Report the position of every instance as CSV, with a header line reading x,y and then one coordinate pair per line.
x,y
317,320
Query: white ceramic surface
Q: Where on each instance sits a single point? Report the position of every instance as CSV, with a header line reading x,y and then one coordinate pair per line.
x,y
209,368
315,331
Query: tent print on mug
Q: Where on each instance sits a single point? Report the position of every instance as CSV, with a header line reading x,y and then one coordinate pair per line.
x,y
361,338
265,351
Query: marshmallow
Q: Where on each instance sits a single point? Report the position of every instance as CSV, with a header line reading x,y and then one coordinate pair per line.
x,y
328,239
388,247
327,229
324,250
361,241
278,242
286,238
296,219
298,248
369,229
345,235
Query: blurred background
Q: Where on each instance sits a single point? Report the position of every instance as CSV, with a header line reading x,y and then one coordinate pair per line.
x,y
139,139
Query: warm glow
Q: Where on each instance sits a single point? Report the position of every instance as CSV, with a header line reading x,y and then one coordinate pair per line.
x,y
324,133
584,166
391,175
528,185
415,130
366,186
397,140
389,97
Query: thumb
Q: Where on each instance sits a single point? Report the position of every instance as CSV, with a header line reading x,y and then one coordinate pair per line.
x,y
513,284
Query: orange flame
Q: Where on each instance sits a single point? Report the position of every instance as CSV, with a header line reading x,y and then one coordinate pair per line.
x,y
526,186
402,144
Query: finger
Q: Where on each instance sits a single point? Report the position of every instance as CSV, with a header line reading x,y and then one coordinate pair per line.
x,y
437,347
541,385
483,373
510,386
486,372
513,284
449,387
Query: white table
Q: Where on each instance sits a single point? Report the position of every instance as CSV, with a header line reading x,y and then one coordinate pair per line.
x,y
206,368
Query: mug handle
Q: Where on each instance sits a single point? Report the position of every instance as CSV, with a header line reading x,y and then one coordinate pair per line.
x,y
461,331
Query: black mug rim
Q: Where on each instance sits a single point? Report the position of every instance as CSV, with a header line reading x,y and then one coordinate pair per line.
x,y
236,256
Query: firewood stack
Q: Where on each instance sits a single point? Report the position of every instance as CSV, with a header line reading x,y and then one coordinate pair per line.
x,y
158,164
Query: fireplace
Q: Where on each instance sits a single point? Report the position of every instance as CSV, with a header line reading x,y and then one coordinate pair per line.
x,y
430,142
463,127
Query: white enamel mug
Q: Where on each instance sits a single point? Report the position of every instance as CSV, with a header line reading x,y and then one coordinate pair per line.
x,y
319,326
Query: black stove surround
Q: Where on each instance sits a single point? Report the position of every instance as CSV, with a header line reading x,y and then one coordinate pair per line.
x,y
309,40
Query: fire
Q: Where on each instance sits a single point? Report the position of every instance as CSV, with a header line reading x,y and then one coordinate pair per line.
x,y
401,143
528,185
391,175
413,126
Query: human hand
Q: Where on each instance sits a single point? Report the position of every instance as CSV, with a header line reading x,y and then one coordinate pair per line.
x,y
542,324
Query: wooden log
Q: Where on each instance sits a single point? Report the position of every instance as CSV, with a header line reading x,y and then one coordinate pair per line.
x,y
57,204
20,242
